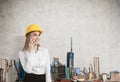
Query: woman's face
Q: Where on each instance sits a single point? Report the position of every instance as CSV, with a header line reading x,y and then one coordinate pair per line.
x,y
35,37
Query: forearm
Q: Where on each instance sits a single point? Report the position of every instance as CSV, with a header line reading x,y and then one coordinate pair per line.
x,y
48,74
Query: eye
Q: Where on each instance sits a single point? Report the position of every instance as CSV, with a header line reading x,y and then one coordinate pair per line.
x,y
34,34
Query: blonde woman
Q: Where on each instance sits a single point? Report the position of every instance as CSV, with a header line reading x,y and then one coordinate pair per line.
x,y
34,59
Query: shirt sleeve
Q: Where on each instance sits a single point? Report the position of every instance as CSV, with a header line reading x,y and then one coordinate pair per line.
x,y
48,74
26,60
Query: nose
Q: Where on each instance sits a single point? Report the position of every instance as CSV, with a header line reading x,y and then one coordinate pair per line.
x,y
38,37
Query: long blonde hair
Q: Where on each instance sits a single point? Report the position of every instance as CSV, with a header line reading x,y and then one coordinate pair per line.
x,y
26,46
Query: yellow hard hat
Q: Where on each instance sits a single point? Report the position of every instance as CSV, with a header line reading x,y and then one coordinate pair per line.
x,y
33,27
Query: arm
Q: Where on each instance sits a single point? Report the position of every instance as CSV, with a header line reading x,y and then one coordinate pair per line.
x,y
26,61
48,75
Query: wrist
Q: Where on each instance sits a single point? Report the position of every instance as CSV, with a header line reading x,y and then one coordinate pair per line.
x,y
31,48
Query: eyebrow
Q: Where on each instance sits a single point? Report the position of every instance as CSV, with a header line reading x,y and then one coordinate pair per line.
x,y
37,33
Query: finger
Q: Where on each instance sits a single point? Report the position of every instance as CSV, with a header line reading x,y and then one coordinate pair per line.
x,y
32,40
31,43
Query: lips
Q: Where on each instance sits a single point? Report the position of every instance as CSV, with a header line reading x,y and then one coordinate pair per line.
x,y
37,41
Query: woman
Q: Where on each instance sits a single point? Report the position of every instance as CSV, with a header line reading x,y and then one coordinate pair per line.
x,y
34,59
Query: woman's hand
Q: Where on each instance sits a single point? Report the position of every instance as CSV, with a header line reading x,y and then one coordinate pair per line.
x,y
32,45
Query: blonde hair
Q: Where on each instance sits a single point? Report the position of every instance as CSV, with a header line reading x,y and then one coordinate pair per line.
x,y
26,46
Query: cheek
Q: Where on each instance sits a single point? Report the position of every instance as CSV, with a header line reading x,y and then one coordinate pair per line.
x,y
34,37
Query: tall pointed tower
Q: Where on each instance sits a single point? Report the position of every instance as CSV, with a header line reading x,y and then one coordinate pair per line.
x,y
70,60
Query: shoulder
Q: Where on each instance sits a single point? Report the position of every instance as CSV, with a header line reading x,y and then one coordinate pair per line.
x,y
21,53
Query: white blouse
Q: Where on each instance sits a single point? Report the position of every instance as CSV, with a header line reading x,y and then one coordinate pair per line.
x,y
36,62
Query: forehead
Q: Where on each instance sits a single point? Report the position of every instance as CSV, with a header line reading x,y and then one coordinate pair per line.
x,y
35,32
